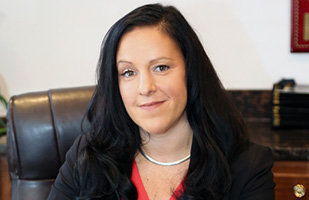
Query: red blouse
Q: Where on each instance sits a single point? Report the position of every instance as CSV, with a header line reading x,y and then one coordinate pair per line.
x,y
142,194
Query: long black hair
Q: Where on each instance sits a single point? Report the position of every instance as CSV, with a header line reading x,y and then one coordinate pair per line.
x,y
219,133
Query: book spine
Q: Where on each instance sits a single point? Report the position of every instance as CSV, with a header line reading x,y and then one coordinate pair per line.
x,y
290,106
288,120
288,99
297,111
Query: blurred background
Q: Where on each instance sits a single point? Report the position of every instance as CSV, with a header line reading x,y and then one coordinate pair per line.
x,y
55,44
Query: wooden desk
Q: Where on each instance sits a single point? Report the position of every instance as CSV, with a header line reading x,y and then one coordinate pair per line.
x,y
287,174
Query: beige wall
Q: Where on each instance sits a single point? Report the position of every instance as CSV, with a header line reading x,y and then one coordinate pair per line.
x,y
55,43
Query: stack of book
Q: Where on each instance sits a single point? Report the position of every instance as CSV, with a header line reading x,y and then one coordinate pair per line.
x,y
290,105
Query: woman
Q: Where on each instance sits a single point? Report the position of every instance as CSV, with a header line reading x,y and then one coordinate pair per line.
x,y
162,126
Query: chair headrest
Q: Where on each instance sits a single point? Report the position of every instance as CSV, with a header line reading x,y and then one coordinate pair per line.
x,y
41,128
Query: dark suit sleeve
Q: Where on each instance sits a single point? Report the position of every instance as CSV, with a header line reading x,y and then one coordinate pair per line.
x,y
65,186
260,184
252,175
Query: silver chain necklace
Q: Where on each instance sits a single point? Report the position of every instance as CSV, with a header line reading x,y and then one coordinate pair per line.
x,y
164,163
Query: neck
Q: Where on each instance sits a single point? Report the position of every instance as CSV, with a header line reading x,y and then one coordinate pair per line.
x,y
170,146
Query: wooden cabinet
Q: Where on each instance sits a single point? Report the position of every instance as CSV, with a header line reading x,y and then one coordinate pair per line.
x,y
5,182
291,177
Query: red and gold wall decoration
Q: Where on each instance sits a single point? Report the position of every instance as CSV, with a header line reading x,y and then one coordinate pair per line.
x,y
300,26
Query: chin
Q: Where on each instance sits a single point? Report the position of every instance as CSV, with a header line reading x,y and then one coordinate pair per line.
x,y
154,130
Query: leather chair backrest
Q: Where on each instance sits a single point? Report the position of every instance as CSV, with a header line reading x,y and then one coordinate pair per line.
x,y
41,128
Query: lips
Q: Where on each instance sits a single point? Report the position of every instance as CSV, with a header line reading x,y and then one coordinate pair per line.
x,y
151,105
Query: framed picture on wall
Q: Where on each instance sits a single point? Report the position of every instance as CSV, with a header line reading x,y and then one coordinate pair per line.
x,y
300,26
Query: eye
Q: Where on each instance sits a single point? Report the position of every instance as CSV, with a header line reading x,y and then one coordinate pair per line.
x,y
128,73
161,68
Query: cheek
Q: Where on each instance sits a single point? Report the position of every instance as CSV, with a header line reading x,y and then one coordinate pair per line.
x,y
177,91
122,92
178,87
181,94
126,92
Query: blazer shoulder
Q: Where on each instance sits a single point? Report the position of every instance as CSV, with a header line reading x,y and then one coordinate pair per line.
x,y
251,173
66,183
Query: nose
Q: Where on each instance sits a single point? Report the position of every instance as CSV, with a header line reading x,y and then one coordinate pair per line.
x,y
147,85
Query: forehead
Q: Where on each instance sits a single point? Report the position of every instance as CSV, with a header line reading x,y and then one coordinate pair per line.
x,y
143,40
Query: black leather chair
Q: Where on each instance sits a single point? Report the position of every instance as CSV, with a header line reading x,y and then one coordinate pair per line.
x,y
41,128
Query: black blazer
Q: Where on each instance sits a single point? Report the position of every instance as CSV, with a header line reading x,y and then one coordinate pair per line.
x,y
251,174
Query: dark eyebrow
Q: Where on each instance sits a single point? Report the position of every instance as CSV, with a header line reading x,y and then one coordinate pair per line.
x,y
151,61
160,58
124,62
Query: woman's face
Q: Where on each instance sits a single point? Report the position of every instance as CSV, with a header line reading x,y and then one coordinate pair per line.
x,y
152,80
